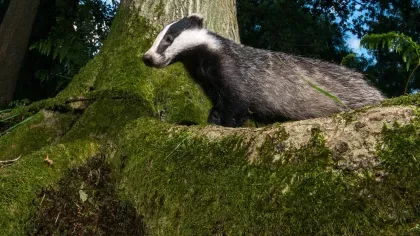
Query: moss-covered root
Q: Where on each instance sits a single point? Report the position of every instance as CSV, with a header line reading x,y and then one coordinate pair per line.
x,y
190,185
85,203
65,139
42,129
105,118
21,182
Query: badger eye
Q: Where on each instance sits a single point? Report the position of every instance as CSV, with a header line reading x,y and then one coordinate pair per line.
x,y
169,39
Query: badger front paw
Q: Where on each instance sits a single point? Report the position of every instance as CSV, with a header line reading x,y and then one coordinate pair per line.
x,y
214,116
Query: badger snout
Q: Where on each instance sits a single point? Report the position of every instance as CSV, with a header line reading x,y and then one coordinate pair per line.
x,y
148,60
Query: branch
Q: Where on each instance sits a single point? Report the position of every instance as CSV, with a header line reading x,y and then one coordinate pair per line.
x,y
8,162
353,137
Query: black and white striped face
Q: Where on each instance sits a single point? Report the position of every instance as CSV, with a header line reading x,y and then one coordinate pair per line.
x,y
176,38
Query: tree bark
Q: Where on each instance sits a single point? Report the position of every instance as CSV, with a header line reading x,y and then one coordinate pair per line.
x,y
15,31
219,15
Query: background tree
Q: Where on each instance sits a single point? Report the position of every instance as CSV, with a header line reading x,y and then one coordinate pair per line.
x,y
15,31
310,28
163,12
66,34
3,8
399,43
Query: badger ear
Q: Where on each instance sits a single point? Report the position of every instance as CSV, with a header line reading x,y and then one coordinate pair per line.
x,y
196,19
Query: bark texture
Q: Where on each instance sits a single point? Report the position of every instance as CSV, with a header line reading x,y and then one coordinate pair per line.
x,y
15,31
219,15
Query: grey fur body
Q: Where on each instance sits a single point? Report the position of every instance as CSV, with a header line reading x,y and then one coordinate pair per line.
x,y
273,83
270,86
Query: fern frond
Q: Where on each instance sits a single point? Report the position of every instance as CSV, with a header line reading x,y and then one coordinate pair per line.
x,y
402,44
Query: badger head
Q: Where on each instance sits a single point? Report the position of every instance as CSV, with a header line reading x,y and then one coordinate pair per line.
x,y
178,38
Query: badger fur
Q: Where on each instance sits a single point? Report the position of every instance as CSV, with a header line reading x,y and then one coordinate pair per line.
x,y
244,82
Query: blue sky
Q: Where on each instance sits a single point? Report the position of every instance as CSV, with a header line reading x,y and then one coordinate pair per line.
x,y
353,41
110,2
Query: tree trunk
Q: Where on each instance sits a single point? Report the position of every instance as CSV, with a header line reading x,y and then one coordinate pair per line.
x,y
220,15
15,31
172,95
355,173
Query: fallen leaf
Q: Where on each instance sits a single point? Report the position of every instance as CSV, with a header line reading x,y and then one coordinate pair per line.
x,y
83,195
48,160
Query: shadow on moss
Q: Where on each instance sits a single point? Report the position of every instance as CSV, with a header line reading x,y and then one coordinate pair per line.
x,y
85,203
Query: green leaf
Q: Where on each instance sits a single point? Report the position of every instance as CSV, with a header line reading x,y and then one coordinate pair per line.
x,y
83,195
402,44
324,92
316,87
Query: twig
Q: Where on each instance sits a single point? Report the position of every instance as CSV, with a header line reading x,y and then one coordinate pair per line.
x,y
56,219
65,77
84,99
5,165
42,200
10,161
78,99
179,144
409,79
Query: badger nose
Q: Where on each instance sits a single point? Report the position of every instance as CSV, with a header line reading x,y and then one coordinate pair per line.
x,y
148,60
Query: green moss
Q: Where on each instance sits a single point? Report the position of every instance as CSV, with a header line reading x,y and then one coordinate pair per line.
x,y
47,104
43,129
347,116
400,155
105,118
83,82
71,142
403,100
190,185
21,182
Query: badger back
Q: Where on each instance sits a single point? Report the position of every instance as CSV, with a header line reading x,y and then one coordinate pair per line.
x,y
280,86
346,84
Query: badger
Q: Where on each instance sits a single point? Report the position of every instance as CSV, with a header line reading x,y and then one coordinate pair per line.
x,y
244,82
